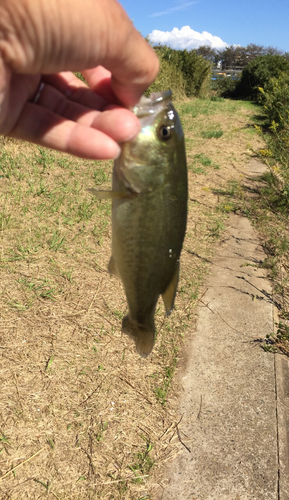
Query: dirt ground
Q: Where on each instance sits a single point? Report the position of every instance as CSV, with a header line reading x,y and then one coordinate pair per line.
x,y
81,415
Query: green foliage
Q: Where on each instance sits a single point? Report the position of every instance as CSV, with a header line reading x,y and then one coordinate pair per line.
x,y
196,71
143,462
282,332
212,134
224,86
258,73
275,97
169,77
215,98
278,341
184,72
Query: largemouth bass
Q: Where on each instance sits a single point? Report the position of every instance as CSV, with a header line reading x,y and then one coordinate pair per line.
x,y
149,211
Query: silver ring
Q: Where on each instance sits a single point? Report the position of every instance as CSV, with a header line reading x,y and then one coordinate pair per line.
x,y
38,93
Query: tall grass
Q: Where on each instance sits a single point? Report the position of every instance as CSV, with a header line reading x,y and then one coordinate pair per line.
x,y
271,211
275,98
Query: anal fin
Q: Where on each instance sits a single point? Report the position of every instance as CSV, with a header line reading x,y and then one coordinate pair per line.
x,y
112,269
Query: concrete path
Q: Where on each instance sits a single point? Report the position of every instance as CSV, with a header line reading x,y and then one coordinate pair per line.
x,y
235,399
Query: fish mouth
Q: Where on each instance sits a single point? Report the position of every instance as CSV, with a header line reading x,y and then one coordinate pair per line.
x,y
153,104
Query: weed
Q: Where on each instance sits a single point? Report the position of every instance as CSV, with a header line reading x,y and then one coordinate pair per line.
x,y
15,304
278,341
186,108
282,333
118,314
203,159
268,345
197,170
45,485
50,443
143,463
215,98
233,189
212,134
5,221
216,227
161,390
56,242
99,176
81,478
23,253
45,157
4,439
40,288
227,207
161,394
49,363
100,433
86,210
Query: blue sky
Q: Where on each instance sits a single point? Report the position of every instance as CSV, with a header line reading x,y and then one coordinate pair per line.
x,y
232,22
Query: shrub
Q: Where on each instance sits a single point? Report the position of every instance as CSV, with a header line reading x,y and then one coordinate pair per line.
x,y
258,73
183,71
224,86
196,72
169,77
275,98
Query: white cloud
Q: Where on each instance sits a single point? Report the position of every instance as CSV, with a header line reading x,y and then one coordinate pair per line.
x,y
186,38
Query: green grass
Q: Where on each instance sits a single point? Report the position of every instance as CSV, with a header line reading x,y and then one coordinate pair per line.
x,y
210,107
215,98
200,164
212,134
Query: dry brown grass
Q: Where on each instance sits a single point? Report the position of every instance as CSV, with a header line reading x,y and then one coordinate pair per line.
x,y
81,415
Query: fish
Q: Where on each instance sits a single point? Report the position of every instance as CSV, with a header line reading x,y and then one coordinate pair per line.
x,y
149,213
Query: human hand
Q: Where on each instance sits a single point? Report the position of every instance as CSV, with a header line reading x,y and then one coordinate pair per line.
x,y
45,41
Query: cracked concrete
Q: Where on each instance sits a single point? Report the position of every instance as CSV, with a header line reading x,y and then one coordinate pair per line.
x,y
235,399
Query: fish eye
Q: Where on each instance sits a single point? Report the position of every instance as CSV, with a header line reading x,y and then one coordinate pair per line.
x,y
164,132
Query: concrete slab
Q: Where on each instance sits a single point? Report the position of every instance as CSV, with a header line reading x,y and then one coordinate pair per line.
x,y
234,403
282,399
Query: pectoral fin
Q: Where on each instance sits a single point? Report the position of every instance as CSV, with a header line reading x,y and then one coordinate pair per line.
x,y
171,290
110,195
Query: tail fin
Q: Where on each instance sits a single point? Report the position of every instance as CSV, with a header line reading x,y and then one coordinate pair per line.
x,y
143,335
